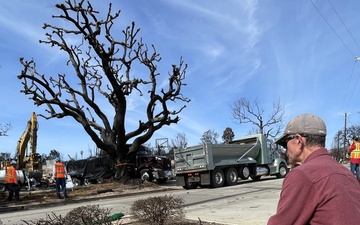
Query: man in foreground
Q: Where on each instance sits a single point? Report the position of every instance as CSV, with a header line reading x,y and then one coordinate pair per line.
x,y
319,190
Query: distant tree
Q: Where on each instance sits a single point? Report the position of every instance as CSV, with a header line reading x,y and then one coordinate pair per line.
x,y
351,132
4,129
228,135
209,136
54,154
103,68
180,141
243,111
337,149
4,156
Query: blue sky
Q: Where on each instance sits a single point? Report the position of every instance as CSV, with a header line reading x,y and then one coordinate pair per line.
x,y
264,50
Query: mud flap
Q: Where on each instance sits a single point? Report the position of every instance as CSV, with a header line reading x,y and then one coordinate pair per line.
x,y
205,178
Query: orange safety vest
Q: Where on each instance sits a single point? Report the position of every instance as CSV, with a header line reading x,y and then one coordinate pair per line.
x,y
11,176
355,154
59,170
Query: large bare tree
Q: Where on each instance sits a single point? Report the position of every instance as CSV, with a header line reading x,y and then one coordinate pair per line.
x,y
244,111
102,66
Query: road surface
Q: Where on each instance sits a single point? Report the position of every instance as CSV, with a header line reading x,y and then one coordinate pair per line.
x,y
248,202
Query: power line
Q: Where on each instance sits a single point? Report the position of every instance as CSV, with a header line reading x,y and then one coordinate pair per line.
x,y
344,24
353,90
356,58
332,29
348,88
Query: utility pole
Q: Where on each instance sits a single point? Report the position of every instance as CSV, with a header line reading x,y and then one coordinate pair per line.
x,y
345,149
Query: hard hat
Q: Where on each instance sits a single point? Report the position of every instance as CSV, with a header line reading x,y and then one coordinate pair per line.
x,y
13,162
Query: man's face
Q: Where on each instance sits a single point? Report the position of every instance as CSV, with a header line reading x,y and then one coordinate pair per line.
x,y
293,151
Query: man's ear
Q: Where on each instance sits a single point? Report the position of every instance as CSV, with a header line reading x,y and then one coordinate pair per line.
x,y
301,141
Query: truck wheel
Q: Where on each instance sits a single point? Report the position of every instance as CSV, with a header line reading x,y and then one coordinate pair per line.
x,y
256,178
189,185
146,175
244,172
282,171
100,180
217,178
76,182
231,176
86,182
2,187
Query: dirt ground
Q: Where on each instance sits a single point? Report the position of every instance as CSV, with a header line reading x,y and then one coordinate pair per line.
x,y
107,188
48,195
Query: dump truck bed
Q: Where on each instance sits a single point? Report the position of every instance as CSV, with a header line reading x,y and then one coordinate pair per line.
x,y
208,156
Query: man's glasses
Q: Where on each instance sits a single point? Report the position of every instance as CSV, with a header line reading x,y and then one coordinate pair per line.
x,y
289,138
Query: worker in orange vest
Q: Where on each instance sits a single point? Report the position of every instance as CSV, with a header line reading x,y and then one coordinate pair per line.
x,y
354,150
11,181
60,174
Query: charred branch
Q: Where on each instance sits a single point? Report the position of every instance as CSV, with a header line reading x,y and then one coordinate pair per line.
x,y
102,67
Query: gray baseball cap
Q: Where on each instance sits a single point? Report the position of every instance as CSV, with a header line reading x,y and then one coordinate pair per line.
x,y
303,124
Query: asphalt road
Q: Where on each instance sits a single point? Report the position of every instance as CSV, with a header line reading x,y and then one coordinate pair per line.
x,y
248,202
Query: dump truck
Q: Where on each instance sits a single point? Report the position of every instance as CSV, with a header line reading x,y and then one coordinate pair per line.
x,y
216,165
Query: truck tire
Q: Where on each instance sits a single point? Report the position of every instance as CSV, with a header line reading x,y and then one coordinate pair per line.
x,y
231,176
217,178
86,182
282,171
256,178
2,187
244,172
76,182
100,180
146,175
189,185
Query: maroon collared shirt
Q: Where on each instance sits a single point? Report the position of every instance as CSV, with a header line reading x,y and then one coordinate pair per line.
x,y
320,191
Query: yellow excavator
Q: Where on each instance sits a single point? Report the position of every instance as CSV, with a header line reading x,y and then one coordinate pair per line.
x,y
31,162
29,165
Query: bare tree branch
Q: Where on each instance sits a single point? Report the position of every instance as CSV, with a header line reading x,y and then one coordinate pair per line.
x,y
102,67
246,112
4,129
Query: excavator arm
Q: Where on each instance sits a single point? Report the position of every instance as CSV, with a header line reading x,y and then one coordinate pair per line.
x,y
29,134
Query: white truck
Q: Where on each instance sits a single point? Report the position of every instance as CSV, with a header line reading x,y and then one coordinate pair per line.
x,y
216,165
